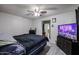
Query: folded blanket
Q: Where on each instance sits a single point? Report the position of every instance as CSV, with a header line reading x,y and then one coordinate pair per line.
x,y
6,39
2,43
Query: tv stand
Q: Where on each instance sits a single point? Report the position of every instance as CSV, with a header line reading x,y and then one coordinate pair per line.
x,y
67,46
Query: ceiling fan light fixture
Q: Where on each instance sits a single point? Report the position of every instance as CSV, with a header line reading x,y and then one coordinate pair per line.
x,y
36,11
36,14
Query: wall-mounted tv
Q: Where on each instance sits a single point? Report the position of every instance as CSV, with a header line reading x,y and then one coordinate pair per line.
x,y
68,30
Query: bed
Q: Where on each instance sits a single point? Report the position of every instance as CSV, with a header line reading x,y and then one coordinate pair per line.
x,y
10,46
12,49
33,44
26,44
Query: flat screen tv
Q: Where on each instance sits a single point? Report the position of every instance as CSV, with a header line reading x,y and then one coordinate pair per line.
x,y
68,30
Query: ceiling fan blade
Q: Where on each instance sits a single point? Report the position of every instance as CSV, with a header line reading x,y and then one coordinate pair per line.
x,y
43,11
29,14
29,11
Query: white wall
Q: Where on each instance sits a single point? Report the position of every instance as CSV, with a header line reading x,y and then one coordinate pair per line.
x,y
64,18
14,25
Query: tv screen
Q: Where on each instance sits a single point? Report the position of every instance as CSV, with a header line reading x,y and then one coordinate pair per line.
x,y
68,30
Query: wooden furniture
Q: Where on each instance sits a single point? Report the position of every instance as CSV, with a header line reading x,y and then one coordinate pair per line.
x,y
32,31
69,47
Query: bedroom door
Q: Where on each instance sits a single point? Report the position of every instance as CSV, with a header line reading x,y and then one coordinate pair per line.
x,y
46,28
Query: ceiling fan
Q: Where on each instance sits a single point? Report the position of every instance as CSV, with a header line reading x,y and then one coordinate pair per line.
x,y
36,12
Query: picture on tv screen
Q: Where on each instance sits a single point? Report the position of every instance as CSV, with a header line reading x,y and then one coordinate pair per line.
x,y
68,30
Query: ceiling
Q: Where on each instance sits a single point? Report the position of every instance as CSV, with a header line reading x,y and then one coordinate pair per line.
x,y
21,9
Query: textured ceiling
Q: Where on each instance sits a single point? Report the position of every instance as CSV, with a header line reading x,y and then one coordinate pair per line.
x,y
20,9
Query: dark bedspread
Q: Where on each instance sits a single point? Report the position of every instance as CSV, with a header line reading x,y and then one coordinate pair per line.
x,y
12,49
30,40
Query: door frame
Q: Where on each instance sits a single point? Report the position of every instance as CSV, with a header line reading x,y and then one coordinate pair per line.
x,y
45,22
